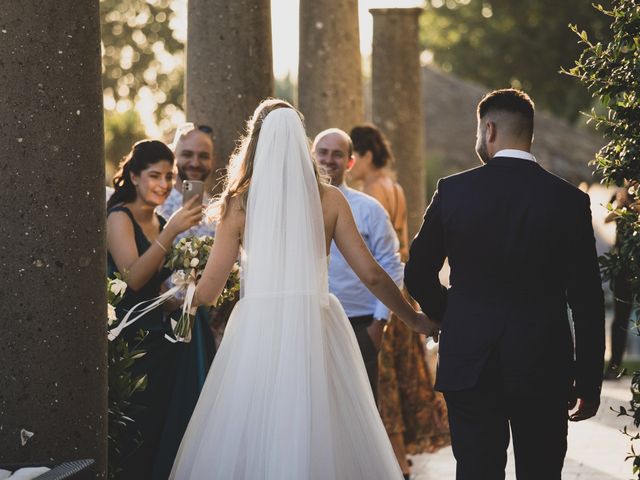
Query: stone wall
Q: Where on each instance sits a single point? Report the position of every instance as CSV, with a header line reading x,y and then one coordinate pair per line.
x,y
450,126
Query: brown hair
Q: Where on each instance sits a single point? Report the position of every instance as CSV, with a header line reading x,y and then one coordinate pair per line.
x,y
369,138
511,101
142,154
240,169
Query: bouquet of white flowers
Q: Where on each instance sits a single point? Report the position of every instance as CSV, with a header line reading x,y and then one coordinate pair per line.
x,y
187,258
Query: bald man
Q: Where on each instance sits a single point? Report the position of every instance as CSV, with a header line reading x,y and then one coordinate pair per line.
x,y
333,150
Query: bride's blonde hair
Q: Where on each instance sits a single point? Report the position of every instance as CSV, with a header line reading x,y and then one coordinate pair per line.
x,y
240,169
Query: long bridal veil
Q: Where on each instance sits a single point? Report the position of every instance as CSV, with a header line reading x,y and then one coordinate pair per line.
x,y
284,241
287,397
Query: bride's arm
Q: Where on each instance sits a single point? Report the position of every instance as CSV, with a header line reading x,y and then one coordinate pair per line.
x,y
223,256
359,258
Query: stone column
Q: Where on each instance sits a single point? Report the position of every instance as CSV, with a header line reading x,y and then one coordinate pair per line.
x,y
397,100
53,378
329,68
229,66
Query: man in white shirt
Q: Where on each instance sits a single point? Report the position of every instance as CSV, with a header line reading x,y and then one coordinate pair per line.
x,y
333,150
195,160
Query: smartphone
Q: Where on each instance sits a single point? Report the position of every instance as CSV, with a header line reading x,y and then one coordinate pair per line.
x,y
192,188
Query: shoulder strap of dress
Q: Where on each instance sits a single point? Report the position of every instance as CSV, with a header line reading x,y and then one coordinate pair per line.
x,y
162,220
121,208
396,205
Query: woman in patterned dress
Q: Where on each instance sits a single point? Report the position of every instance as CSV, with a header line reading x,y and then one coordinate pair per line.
x,y
414,415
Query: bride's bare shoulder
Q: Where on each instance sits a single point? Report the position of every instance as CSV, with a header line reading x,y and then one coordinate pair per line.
x,y
234,212
332,197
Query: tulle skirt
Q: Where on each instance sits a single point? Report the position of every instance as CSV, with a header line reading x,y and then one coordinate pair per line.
x,y
287,398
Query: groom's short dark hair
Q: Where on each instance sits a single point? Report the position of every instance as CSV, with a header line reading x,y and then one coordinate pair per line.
x,y
512,101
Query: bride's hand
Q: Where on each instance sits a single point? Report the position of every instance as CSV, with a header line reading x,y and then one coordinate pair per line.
x,y
423,324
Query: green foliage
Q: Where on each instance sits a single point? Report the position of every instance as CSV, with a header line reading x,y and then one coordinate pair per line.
x,y
122,384
121,131
142,56
286,89
502,43
611,71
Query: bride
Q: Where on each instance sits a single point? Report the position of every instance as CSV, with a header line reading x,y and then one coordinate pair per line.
x,y
287,397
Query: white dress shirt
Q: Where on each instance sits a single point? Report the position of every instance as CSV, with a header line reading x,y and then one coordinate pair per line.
x,y
375,227
513,153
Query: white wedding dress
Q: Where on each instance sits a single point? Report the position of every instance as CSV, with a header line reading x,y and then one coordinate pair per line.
x,y
287,396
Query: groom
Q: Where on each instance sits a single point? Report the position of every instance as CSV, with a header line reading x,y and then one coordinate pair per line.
x,y
520,245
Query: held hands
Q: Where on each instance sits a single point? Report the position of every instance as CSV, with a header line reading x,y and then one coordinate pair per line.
x,y
189,215
420,323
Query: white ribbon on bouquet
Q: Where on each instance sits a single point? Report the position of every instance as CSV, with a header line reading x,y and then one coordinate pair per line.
x,y
183,283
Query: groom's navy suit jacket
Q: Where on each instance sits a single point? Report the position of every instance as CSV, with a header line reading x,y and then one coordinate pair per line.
x,y
520,245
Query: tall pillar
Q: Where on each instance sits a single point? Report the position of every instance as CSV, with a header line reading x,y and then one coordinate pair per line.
x,y
229,66
329,68
53,379
397,100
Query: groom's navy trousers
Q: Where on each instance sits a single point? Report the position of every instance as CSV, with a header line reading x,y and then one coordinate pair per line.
x,y
485,417
521,248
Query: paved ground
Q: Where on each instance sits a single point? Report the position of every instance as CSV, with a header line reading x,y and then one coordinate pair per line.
x,y
596,451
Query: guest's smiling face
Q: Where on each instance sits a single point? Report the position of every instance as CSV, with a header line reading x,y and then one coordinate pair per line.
x,y
154,183
194,156
332,152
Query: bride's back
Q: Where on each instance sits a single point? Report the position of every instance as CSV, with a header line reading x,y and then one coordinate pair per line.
x,y
330,200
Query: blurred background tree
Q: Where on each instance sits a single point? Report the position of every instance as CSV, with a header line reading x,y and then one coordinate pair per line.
x,y
143,56
143,68
518,43
142,72
121,131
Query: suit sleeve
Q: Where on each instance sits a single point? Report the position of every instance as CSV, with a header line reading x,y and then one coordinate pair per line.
x,y
426,257
586,301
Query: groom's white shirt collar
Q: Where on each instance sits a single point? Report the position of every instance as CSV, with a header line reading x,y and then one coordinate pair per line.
x,y
512,153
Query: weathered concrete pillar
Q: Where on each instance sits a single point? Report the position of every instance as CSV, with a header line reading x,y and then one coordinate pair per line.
x,y
329,68
53,379
397,100
229,66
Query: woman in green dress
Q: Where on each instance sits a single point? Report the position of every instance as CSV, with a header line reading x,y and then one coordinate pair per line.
x,y
137,241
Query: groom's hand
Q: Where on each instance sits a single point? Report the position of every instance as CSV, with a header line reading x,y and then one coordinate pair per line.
x,y
586,409
423,324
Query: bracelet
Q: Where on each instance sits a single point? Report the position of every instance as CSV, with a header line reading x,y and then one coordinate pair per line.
x,y
164,249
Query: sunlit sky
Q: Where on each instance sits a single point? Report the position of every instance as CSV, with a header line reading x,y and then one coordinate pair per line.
x,y
285,34
284,21
285,31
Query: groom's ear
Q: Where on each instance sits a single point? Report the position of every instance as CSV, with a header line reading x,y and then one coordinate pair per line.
x,y
351,162
491,132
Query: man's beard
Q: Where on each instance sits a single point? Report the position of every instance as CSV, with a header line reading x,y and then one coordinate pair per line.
x,y
482,151
201,174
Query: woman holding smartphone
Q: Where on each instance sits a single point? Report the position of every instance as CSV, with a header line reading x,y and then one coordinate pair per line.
x,y
137,241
